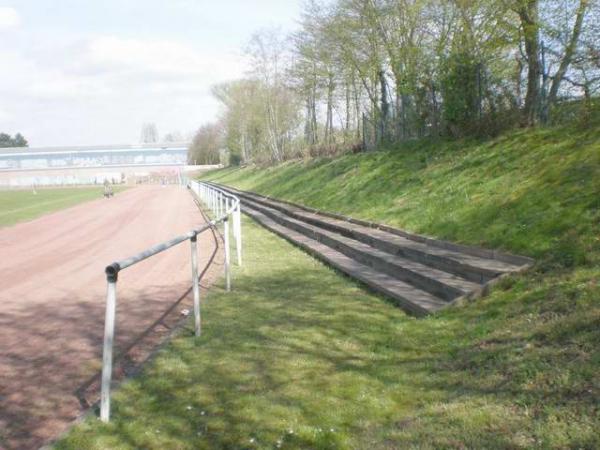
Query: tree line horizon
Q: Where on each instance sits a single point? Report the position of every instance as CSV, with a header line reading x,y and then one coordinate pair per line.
x,y
359,74
8,141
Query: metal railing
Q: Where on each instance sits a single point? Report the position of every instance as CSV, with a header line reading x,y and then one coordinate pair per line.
x,y
225,207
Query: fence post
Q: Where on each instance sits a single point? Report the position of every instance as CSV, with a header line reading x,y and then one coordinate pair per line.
x,y
195,287
237,222
109,333
227,268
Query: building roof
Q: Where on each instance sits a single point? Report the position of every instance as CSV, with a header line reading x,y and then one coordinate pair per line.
x,y
39,151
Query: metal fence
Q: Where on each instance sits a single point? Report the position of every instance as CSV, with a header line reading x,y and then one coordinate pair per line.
x,y
225,208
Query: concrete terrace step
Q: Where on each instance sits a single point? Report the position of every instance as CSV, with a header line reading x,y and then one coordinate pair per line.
x,y
478,269
407,296
422,274
439,283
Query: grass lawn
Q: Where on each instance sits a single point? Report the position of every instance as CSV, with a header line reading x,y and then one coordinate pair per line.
x,y
22,205
298,356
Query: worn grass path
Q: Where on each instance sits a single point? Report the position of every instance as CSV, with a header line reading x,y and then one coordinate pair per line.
x,y
23,205
298,356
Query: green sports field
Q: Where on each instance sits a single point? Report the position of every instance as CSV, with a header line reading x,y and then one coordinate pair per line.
x,y
24,205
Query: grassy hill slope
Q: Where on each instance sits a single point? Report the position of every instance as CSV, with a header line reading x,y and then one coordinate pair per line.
x,y
537,193
534,193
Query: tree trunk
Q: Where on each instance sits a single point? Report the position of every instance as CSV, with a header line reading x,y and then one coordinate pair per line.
x,y
435,123
569,51
385,107
355,88
329,116
348,112
528,14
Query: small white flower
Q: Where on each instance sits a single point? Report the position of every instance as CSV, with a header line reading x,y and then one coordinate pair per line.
x,y
189,408
202,413
252,440
332,430
290,431
185,312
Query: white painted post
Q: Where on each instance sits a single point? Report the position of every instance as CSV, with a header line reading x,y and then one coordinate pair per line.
x,y
227,268
109,332
195,282
237,220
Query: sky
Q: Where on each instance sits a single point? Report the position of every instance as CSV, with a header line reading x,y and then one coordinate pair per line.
x,y
76,72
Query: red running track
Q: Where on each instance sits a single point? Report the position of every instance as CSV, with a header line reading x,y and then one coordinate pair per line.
x,y
52,299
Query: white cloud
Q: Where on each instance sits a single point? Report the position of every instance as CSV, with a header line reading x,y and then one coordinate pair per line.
x,y
4,115
100,89
161,57
9,17
97,70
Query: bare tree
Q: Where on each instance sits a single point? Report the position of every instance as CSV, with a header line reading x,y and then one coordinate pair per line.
x,y
149,134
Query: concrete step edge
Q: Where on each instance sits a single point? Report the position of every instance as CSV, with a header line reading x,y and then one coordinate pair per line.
x,y
419,275
385,284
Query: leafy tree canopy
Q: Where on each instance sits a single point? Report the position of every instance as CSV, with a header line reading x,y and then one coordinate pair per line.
x,y
6,140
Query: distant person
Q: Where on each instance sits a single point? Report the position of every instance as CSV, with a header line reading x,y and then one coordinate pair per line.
x,y
108,192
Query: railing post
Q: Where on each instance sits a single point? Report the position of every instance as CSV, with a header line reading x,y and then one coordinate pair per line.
x,y
195,287
109,333
227,265
237,223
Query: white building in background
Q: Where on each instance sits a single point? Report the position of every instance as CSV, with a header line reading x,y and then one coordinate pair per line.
x,y
59,166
